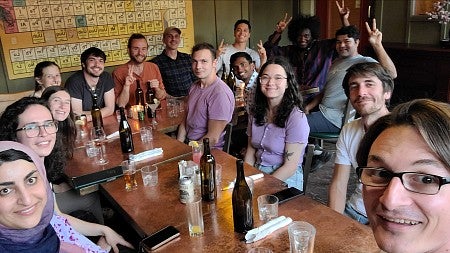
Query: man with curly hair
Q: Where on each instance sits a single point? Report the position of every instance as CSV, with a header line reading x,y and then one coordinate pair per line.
x,y
310,57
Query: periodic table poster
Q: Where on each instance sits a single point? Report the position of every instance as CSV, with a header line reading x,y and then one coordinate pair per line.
x,y
60,30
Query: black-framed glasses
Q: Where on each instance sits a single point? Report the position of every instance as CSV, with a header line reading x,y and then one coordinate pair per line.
x,y
412,181
33,129
265,79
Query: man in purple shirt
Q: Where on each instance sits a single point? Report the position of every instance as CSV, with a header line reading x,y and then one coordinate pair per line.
x,y
210,103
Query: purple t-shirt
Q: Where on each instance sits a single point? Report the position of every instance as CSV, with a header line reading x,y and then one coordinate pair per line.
x,y
214,102
269,140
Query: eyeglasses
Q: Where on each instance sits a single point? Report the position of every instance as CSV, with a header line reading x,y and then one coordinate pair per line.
x,y
265,79
33,129
412,181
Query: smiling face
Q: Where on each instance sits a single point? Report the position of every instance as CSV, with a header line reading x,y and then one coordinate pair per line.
x,y
51,76
346,46
172,40
304,38
94,66
277,83
243,69
242,33
59,103
138,50
43,143
22,195
401,220
367,95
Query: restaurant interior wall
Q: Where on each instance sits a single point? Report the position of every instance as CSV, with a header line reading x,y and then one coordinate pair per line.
x,y
214,19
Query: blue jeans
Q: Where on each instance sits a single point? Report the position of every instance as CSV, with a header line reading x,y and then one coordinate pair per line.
x,y
295,180
352,213
318,123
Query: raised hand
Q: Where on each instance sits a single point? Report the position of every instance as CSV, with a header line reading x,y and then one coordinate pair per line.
x,y
262,52
375,36
343,11
283,23
130,77
221,49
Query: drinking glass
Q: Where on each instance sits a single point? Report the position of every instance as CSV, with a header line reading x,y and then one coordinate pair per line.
x,y
153,108
268,207
98,136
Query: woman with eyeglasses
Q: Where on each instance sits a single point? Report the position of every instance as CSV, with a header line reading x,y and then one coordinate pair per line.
x,y
28,222
31,123
278,130
46,74
405,172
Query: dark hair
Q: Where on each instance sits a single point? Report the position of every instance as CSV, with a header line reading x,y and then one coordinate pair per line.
x,y
204,45
290,99
67,131
92,51
9,121
11,155
368,69
237,55
242,21
38,72
351,31
300,23
431,119
135,36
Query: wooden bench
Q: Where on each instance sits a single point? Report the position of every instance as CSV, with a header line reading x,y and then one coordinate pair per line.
x,y
7,99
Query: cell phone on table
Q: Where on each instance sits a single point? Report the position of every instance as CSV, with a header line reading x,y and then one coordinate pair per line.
x,y
287,194
158,239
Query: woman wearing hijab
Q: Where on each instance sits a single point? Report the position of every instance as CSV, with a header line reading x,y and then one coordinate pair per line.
x,y
26,207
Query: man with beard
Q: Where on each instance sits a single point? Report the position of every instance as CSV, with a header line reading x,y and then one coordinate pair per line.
x,y
136,68
210,104
369,88
175,66
332,100
92,79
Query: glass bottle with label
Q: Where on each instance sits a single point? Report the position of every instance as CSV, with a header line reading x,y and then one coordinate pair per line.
x,y
208,173
126,136
97,120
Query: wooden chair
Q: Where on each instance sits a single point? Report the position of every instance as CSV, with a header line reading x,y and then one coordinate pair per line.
x,y
307,160
227,137
7,99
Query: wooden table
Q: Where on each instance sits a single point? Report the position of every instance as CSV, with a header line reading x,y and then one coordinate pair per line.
x,y
150,209
81,166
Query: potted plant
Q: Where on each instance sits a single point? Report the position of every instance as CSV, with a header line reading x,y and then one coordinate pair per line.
x,y
441,14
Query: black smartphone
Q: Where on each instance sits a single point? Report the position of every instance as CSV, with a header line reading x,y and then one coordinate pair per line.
x,y
160,238
287,194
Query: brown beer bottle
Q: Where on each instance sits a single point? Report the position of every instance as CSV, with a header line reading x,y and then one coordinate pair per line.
x,y
242,201
208,173
97,120
139,94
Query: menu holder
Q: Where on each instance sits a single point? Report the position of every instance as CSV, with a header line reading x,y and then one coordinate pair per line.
x,y
95,177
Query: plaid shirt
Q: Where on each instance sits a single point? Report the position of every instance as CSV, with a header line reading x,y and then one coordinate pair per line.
x,y
177,74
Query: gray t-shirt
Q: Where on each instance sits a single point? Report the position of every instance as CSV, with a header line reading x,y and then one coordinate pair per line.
x,y
334,98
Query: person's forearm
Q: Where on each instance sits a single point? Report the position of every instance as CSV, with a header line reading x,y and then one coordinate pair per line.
x,y
124,97
336,197
385,60
181,136
85,228
160,94
250,155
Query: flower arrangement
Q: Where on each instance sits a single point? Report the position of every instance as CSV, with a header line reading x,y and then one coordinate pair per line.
x,y
440,12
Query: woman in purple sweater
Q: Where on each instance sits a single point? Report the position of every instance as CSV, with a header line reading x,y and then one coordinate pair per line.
x,y
278,130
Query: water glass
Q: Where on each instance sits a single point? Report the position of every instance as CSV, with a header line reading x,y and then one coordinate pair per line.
x,y
267,207
301,237
149,175
146,134
91,149
195,217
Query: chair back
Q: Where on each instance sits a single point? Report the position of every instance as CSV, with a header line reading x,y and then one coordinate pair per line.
x,y
7,99
307,161
227,137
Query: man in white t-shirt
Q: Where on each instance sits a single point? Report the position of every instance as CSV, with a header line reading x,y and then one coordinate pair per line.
x,y
369,88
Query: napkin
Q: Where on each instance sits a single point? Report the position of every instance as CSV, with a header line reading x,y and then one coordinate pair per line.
x,y
146,154
113,135
254,177
259,233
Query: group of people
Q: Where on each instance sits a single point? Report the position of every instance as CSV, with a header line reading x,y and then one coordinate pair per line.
x,y
37,134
